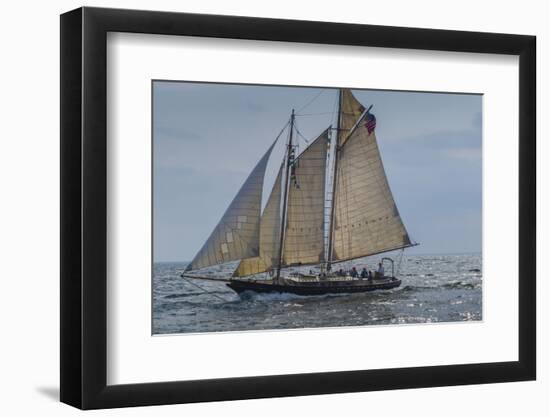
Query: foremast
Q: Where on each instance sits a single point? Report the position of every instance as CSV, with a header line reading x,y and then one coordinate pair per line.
x,y
289,161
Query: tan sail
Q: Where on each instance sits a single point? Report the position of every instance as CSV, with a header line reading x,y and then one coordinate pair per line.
x,y
366,219
350,110
304,233
270,229
237,234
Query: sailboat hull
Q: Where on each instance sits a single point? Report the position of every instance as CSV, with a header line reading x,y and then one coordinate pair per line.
x,y
314,287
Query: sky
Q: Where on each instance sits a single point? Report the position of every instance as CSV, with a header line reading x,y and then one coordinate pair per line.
x,y
208,137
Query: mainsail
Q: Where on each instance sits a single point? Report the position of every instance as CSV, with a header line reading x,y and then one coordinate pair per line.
x,y
237,234
304,233
270,226
366,219
350,111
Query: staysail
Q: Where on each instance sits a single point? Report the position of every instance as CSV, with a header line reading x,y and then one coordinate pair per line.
x,y
304,233
270,227
237,234
366,219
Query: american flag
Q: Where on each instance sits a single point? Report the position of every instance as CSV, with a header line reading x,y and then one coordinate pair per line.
x,y
371,123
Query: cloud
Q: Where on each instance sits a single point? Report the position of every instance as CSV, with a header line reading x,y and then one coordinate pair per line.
x,y
177,132
435,148
254,107
477,120
464,154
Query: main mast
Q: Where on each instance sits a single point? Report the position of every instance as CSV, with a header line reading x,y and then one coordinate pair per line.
x,y
334,178
285,196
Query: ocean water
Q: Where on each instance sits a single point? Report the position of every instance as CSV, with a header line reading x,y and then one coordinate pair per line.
x,y
435,288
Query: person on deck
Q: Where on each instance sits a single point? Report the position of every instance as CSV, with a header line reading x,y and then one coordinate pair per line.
x,y
353,272
380,271
341,272
371,275
364,273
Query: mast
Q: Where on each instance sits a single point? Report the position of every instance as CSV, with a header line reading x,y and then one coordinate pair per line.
x,y
285,198
335,171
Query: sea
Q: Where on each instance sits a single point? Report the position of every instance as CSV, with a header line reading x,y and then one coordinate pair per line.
x,y
434,289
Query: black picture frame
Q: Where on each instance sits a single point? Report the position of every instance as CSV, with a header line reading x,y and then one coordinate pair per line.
x,y
84,207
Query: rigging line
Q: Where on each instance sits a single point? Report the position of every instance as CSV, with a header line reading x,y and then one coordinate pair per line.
x,y
334,115
204,291
300,133
314,114
311,101
400,260
282,130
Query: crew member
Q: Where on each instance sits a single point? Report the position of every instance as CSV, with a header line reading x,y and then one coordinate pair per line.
x,y
380,271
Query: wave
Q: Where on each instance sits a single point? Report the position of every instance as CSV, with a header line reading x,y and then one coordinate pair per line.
x,y
455,285
247,296
195,294
460,285
189,294
408,288
254,296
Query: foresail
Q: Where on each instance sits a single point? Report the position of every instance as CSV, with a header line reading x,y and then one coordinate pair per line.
x,y
237,234
304,233
350,110
270,232
366,219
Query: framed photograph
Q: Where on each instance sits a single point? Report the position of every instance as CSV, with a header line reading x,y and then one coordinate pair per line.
x,y
257,208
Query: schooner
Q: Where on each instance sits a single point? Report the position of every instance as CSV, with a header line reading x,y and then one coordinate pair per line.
x,y
298,227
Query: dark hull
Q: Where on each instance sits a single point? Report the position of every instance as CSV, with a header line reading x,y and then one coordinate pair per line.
x,y
315,287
